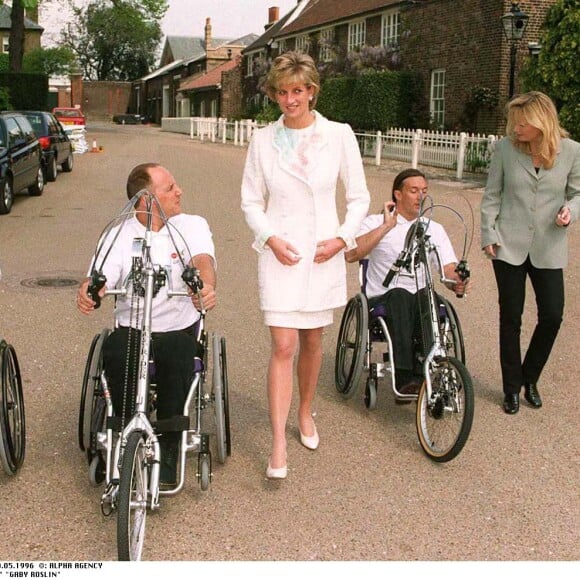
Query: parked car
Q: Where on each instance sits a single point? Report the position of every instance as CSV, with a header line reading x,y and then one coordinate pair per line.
x,y
56,146
129,119
69,116
20,159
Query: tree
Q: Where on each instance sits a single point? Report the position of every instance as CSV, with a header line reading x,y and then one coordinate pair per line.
x,y
555,70
49,61
16,40
115,39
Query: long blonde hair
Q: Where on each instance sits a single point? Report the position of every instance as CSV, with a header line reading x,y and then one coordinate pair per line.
x,y
291,67
538,110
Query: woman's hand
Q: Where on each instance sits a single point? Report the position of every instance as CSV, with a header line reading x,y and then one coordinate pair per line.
x,y
328,249
563,217
490,251
284,251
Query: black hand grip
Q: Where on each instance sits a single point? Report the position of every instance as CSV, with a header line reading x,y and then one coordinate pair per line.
x,y
191,277
98,280
462,270
399,263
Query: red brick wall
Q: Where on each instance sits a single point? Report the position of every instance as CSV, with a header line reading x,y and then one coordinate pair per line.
x,y
103,99
231,93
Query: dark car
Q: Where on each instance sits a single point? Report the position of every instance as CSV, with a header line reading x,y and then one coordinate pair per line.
x,y
56,146
20,159
129,119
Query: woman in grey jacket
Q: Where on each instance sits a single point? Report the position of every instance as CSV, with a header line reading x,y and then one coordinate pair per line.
x,y
532,195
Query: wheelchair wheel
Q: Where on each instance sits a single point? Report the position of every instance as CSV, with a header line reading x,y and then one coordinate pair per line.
x,y
451,331
12,420
444,422
351,346
132,501
92,400
220,398
371,394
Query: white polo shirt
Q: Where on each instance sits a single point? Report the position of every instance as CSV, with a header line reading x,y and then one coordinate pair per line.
x,y
384,255
191,235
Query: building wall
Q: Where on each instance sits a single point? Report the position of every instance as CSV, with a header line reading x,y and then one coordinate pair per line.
x,y
231,94
103,99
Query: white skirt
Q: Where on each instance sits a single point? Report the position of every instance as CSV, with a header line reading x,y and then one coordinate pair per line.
x,y
301,320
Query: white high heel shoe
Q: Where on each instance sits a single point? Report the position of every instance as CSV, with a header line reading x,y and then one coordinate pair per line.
x,y
276,472
311,442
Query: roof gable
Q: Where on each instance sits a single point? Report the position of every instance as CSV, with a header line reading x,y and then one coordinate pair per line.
x,y
210,79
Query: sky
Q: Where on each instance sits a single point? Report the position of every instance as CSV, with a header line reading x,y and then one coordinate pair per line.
x,y
229,18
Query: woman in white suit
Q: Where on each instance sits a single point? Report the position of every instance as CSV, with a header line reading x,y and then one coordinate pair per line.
x,y
532,195
289,201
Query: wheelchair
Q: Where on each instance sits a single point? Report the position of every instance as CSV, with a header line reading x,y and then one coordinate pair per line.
x,y
12,419
125,455
445,403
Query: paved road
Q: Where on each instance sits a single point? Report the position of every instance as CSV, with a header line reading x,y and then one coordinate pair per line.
x,y
368,493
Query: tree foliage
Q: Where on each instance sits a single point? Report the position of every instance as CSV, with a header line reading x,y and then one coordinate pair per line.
x,y
555,70
115,39
49,61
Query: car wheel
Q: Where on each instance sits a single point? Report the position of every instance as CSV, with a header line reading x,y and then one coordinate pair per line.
x,y
6,195
67,165
51,170
38,186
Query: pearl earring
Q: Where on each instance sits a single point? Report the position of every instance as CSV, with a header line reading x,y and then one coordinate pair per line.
x,y
310,98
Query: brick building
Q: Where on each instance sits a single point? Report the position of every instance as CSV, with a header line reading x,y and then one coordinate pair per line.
x,y
32,31
458,48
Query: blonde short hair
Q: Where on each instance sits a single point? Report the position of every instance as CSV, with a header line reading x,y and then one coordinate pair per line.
x,y
538,110
293,67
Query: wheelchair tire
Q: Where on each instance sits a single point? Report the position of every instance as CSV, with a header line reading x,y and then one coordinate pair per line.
x,y
351,346
132,500
12,418
226,395
219,399
444,422
452,333
91,396
371,394
204,471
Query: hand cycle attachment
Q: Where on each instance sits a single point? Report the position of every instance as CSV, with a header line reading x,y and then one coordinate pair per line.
x,y
128,455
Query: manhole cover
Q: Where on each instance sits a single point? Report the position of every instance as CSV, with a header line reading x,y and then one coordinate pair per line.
x,y
49,282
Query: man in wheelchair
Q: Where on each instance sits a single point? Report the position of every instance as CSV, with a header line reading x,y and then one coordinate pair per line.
x,y
174,345
381,239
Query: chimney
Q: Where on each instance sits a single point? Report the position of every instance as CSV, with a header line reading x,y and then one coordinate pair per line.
x,y
273,16
207,34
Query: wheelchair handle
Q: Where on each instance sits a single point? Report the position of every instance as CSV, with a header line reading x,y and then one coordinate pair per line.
x,y
399,263
98,280
462,270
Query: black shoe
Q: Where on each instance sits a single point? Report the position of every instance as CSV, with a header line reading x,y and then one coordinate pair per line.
x,y
408,389
168,467
532,395
511,403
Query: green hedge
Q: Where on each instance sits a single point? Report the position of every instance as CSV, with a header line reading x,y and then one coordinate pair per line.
x,y
28,91
374,101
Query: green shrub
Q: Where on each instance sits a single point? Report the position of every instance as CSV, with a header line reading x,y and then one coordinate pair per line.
x,y
27,90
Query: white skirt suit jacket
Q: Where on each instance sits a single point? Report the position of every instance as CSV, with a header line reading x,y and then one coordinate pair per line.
x,y
298,204
519,206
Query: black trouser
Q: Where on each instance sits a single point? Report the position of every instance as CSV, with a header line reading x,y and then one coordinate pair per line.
x,y
173,354
402,318
548,286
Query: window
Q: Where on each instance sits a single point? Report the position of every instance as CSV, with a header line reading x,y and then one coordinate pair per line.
x,y
5,44
356,34
303,43
325,40
282,46
14,131
390,28
250,65
437,102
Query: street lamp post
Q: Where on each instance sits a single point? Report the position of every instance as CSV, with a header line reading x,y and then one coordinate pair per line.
x,y
514,25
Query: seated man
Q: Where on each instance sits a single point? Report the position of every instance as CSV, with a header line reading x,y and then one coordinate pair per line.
x,y
173,344
381,239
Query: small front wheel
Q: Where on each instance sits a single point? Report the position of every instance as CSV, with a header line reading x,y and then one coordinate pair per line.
x,y
132,504
204,471
371,394
444,420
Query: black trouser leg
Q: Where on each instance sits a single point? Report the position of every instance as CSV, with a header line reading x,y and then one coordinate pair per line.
x,y
549,289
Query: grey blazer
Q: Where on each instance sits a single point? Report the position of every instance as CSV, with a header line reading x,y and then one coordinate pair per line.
x,y
519,207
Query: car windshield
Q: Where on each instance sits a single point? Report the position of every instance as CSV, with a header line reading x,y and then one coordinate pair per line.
x,y
68,113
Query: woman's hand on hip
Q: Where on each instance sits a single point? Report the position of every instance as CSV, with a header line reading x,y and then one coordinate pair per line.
x,y
490,251
327,249
284,251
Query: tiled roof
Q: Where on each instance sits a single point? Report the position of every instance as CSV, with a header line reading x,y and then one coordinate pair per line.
x,y
191,47
6,20
321,12
210,79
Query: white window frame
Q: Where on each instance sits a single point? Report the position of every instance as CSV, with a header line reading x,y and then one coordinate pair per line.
x,y
250,65
357,32
302,43
325,39
5,44
437,97
281,46
390,28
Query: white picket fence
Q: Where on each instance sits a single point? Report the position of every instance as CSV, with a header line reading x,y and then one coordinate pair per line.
x,y
459,151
